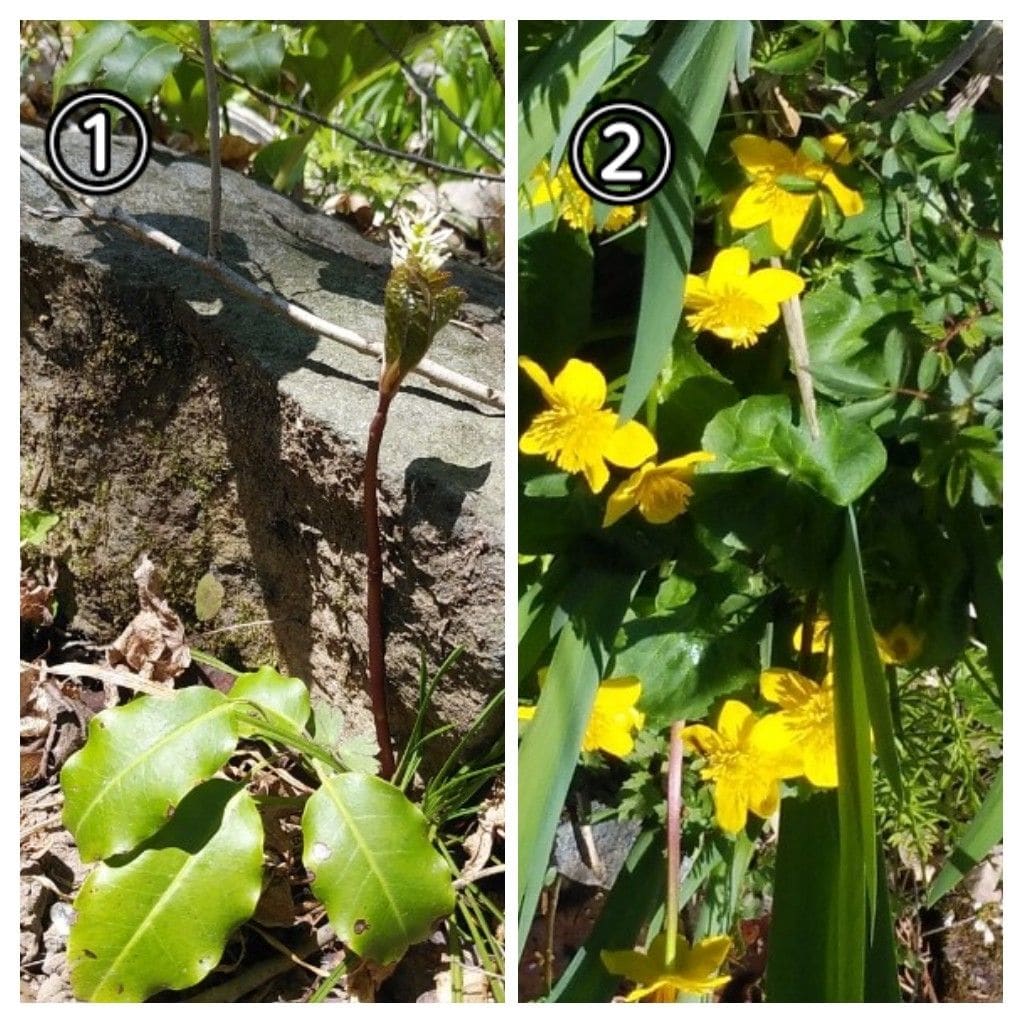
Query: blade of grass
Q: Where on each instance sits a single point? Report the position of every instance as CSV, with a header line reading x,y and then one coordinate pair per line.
x,y
984,831
685,82
881,981
551,745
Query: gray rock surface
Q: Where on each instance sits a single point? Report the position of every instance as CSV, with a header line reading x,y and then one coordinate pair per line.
x,y
163,414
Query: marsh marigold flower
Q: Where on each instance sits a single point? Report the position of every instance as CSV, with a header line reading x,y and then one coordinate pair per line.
x,y
771,165
614,718
806,722
901,644
660,492
574,206
577,433
744,761
820,634
694,971
734,303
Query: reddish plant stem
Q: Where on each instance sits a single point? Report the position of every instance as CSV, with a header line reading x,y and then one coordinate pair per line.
x,y
673,837
375,588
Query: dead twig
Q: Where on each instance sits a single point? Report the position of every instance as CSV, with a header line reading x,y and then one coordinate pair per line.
x,y
799,359
88,209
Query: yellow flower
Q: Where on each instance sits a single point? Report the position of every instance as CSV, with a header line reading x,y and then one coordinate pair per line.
x,y
806,722
819,636
574,206
735,304
660,492
613,719
767,201
577,433
694,971
900,645
744,761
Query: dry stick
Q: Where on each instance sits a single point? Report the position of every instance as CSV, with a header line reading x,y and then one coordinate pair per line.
x,y
799,359
673,838
375,587
933,79
492,54
259,974
435,373
373,147
70,669
427,92
213,114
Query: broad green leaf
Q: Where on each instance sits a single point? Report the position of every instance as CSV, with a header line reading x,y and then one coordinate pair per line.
x,y
984,831
368,849
83,67
34,526
138,65
284,699
596,603
253,55
556,282
209,597
638,889
926,135
685,82
137,764
683,672
559,85
758,432
183,100
161,919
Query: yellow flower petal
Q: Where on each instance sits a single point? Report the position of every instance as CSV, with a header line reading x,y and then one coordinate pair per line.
x,y
728,266
847,199
687,462
539,376
779,745
621,501
580,386
754,206
773,285
731,801
699,739
732,719
695,292
758,155
786,687
630,445
789,211
821,765
837,149
526,713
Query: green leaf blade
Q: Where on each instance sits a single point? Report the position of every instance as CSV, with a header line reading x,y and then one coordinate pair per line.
x,y
138,66
162,920
138,762
383,884
284,699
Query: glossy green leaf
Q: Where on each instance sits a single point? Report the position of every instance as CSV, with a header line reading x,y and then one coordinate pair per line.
x,y
161,919
683,672
558,86
368,849
90,48
255,56
758,432
137,764
138,65
284,699
984,831
595,603
797,60
685,82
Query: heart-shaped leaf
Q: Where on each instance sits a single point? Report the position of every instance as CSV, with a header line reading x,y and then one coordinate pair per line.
x,y
758,432
138,762
383,884
161,920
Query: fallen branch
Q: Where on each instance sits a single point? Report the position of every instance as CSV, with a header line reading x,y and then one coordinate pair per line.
x,y
87,209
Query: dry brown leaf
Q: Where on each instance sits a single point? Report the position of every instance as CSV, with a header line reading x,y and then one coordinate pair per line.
x,y
36,598
490,824
235,152
153,644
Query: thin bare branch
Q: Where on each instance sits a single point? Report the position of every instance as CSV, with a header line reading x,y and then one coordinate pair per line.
x,y
799,359
213,115
87,209
492,54
427,92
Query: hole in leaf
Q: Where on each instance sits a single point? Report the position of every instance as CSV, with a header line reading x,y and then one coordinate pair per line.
x,y
320,851
89,953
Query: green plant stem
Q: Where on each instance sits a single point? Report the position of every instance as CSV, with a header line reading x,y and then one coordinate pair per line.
x,y
673,838
375,588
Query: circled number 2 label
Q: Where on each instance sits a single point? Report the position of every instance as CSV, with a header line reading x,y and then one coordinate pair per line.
x,y
621,176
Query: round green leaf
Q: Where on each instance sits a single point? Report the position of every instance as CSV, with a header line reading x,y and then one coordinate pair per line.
x,y
284,699
383,884
161,920
138,762
209,597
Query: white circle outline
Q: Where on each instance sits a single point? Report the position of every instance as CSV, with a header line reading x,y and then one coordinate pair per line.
x,y
129,174
576,161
